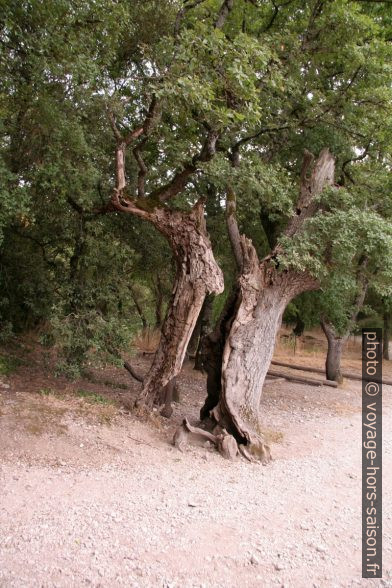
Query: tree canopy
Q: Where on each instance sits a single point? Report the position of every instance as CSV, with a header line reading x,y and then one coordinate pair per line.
x,y
206,96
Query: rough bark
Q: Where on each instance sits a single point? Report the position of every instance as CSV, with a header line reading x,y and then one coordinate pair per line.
x,y
197,274
166,396
195,337
386,335
251,326
263,297
158,303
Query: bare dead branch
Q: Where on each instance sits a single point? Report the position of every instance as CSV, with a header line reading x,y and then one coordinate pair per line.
x,y
322,174
232,227
137,150
236,146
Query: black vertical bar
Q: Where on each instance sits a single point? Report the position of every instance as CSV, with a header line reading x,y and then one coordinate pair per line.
x,y
372,453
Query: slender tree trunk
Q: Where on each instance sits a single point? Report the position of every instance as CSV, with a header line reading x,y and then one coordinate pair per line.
x,y
337,342
333,370
139,307
386,335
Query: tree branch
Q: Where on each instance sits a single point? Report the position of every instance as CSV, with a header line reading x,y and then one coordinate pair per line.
x,y
147,128
178,183
234,149
181,13
322,175
223,13
232,227
133,373
359,158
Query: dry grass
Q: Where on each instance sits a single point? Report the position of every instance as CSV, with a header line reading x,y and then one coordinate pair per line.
x,y
313,344
272,436
147,340
151,417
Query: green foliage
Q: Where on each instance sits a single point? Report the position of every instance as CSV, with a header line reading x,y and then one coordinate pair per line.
x,y
9,364
92,397
270,81
46,392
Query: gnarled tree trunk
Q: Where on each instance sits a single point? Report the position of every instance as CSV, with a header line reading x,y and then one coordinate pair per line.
x,y
263,296
252,319
197,274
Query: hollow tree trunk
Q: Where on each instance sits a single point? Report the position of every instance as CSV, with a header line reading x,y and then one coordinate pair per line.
x,y
386,335
333,370
194,340
211,353
205,327
197,274
255,316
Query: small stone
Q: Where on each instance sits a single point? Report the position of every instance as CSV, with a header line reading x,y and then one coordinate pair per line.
x,y
254,560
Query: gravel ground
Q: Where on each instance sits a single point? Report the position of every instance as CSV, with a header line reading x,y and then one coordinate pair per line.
x,y
92,498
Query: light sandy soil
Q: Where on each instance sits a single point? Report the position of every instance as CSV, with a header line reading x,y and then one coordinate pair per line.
x,y
91,496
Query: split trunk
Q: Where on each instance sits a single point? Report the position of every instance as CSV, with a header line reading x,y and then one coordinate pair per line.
x,y
245,335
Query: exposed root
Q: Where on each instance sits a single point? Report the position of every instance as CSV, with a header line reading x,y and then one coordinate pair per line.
x,y
224,442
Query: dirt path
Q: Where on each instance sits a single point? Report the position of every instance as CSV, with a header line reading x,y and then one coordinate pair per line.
x,y
91,498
